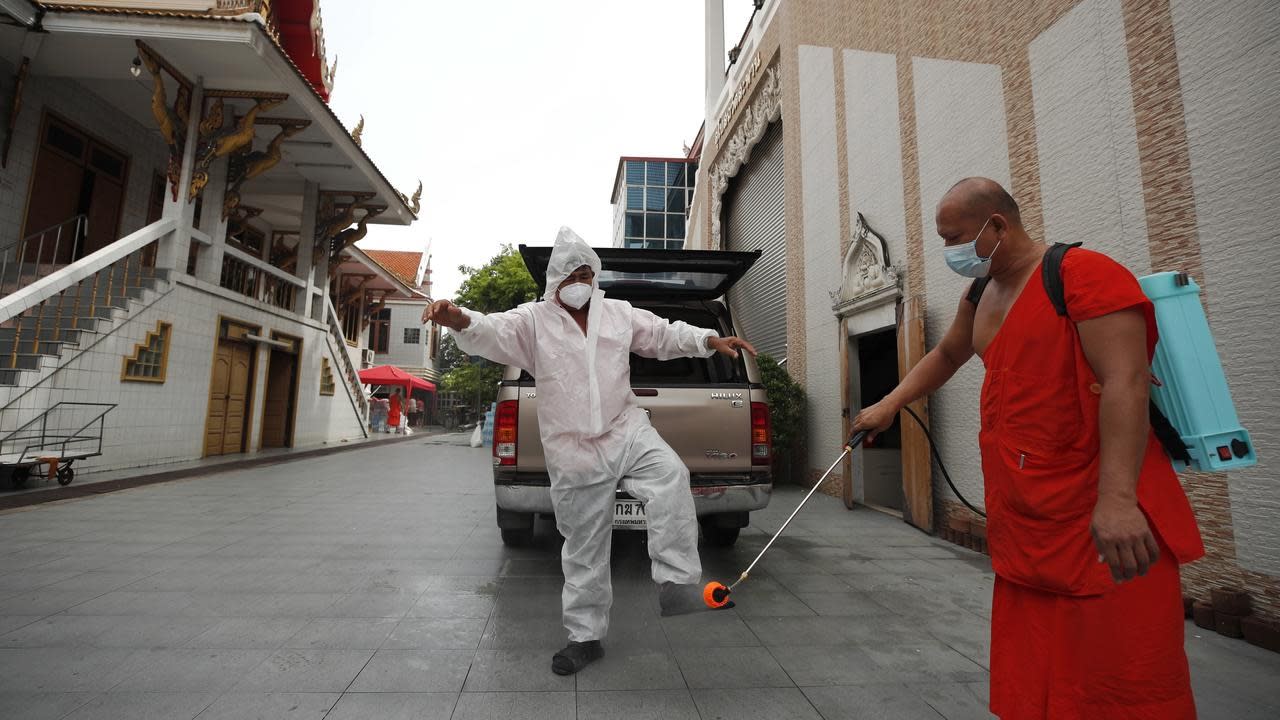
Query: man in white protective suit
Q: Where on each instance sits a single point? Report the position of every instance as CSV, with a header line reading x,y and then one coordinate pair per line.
x,y
596,436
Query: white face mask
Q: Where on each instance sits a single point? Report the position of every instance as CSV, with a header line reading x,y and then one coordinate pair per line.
x,y
575,295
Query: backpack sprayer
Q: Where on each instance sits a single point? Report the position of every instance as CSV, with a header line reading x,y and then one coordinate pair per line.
x,y
1191,409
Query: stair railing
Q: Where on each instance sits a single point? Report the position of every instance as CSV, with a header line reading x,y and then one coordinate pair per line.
x,y
27,256
354,387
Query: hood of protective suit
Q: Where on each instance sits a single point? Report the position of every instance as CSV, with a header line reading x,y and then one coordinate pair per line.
x,y
569,253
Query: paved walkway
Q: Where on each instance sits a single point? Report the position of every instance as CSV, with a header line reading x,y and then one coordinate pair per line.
x,y
372,584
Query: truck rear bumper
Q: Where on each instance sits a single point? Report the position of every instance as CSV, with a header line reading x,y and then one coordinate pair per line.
x,y
707,499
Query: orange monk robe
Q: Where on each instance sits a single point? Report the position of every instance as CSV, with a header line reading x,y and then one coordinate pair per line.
x,y
1067,642
393,414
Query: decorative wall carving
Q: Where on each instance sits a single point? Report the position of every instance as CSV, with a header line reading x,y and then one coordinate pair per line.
x,y
217,141
249,163
765,108
870,280
172,121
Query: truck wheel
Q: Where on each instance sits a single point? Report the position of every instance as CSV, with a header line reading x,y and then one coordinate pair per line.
x,y
513,537
720,536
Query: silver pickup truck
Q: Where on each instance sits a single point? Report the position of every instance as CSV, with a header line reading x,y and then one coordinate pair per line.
x,y
712,411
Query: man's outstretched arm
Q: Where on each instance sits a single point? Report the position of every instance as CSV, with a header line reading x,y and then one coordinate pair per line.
x,y
659,338
506,338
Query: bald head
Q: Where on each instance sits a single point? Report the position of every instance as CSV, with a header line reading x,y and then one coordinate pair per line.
x,y
981,197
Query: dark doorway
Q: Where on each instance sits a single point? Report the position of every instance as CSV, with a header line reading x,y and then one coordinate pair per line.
x,y
881,470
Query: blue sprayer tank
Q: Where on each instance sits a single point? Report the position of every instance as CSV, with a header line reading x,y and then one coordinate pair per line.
x,y
1194,395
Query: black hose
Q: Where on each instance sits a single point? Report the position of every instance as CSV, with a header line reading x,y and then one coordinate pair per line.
x,y
933,447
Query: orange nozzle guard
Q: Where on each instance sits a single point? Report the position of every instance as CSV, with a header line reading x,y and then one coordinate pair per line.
x,y
715,595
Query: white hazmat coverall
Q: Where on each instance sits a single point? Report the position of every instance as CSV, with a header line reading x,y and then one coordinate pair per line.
x,y
594,433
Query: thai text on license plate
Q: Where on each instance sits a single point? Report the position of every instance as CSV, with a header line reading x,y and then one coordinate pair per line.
x,y
628,514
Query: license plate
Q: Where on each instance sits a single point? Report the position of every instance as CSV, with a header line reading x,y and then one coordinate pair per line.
x,y
628,514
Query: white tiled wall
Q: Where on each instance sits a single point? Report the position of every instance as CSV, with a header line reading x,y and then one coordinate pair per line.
x,y
405,316
162,423
89,112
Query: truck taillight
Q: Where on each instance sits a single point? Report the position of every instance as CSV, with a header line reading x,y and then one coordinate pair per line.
x,y
505,422
761,434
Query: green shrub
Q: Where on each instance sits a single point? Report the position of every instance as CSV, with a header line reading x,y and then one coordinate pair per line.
x,y
787,410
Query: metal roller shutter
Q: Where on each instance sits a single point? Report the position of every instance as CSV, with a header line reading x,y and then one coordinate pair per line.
x,y
755,219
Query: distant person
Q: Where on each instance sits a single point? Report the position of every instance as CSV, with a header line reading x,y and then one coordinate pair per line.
x,y
578,345
393,411
1087,523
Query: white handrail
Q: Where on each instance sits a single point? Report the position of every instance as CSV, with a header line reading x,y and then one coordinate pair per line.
x,y
46,287
266,267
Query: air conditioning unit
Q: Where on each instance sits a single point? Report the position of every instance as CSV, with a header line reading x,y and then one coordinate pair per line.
x,y
366,357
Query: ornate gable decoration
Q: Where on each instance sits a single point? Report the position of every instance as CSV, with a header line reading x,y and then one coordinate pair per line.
x,y
765,108
869,278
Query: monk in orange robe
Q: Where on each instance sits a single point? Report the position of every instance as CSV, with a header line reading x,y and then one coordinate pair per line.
x,y
393,412
1087,524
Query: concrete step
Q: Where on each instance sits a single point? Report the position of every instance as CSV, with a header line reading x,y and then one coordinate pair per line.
x,y
47,334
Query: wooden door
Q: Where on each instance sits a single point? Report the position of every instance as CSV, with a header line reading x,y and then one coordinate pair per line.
x,y
917,466
277,411
56,189
228,399
104,198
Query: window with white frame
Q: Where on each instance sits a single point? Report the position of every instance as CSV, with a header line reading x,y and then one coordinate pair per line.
x,y
412,336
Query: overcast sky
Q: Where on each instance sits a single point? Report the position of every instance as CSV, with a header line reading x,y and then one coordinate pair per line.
x,y
514,113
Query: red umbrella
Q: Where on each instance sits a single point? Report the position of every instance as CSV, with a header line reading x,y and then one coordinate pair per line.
x,y
392,375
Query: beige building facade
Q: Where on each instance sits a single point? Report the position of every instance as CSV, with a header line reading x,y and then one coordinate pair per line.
x,y
1146,129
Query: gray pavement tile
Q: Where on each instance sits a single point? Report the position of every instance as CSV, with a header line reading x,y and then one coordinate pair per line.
x,y
45,601
303,671
632,669
33,579
59,631
517,706
41,706
804,583
373,605
228,604
637,705
447,604
248,633
911,568
189,670
151,632
844,604
63,669
509,630
143,706
436,634
742,667
749,603
512,670
956,701
875,582
923,663
722,628
342,634
967,634
394,706
890,701
471,584
837,665
405,582
811,631
754,704
102,581
121,602
414,671
272,706
9,623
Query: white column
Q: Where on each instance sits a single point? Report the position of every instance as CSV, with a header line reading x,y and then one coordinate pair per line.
x,y
715,55
173,250
262,357
306,248
209,264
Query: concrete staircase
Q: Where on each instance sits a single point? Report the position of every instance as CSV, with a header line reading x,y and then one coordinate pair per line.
x,y
38,341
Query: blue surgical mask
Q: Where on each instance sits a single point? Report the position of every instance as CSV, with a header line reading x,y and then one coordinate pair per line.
x,y
964,258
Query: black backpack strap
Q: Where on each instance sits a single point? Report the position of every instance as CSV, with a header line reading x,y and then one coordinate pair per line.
x,y
1168,435
1051,270
975,290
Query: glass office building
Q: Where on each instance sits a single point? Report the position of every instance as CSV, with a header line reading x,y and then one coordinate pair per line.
x,y
651,202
